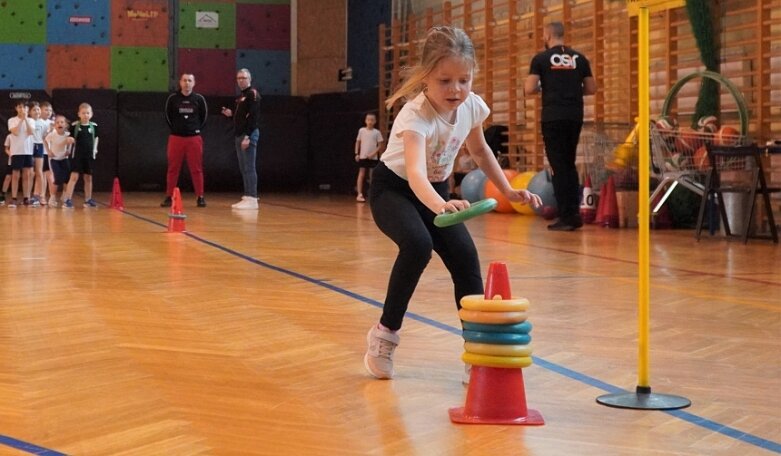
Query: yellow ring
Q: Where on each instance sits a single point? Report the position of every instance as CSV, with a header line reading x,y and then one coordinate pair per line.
x,y
498,350
495,318
478,302
496,361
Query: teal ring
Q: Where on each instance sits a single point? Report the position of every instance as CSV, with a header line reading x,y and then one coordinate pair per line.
x,y
496,338
523,327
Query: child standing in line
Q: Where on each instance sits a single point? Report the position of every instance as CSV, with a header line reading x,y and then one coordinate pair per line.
x,y
410,184
39,132
47,115
21,129
58,148
7,177
84,137
367,151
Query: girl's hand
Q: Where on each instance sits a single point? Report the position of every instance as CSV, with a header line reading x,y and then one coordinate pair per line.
x,y
245,143
454,206
226,112
524,197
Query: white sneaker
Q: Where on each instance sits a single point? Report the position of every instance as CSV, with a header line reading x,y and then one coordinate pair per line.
x,y
247,202
234,205
52,201
379,356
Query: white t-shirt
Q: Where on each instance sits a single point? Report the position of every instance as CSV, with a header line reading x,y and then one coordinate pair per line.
x,y
58,145
41,128
369,142
22,142
443,139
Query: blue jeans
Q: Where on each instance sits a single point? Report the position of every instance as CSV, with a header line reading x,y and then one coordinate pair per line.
x,y
247,160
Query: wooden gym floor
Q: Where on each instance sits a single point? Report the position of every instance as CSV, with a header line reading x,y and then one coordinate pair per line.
x,y
246,336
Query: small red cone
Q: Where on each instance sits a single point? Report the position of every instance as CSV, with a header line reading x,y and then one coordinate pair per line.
x,y
497,283
588,207
116,196
176,217
496,395
610,214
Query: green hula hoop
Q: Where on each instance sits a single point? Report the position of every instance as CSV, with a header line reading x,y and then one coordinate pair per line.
x,y
732,88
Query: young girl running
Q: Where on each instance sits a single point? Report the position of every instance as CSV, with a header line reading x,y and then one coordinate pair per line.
x,y
409,186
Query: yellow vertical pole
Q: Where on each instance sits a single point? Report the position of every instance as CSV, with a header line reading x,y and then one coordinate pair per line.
x,y
642,398
643,243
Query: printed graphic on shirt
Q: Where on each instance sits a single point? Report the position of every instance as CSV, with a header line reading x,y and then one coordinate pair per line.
x,y
443,156
564,61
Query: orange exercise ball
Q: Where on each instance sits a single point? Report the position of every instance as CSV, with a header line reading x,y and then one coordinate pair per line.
x,y
491,191
520,182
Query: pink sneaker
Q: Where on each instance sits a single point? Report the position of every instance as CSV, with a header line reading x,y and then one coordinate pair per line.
x,y
379,356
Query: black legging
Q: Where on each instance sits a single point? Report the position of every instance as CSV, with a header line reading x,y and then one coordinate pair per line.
x,y
407,222
561,145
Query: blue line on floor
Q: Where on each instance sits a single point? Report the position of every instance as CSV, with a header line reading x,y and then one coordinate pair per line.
x,y
28,447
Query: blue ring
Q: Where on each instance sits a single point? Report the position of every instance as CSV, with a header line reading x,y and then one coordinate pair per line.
x,y
496,338
523,327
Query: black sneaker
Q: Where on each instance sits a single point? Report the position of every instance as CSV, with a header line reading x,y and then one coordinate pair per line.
x,y
201,202
561,226
166,202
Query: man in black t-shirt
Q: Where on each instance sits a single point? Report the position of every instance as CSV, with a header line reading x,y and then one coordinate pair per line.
x,y
563,75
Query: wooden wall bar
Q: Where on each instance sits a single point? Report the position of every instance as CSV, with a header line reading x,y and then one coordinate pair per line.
x,y
507,33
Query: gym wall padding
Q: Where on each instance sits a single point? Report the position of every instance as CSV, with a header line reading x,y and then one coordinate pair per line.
x,y
23,66
23,22
263,27
363,54
64,26
214,69
139,68
282,151
223,36
334,121
139,23
79,66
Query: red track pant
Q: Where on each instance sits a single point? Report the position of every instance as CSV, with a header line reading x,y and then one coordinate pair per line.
x,y
179,148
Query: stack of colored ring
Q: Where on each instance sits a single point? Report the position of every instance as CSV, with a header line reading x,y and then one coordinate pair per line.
x,y
496,333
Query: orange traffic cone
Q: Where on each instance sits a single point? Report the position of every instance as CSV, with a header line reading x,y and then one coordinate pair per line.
x,y
176,216
496,395
116,196
610,210
588,207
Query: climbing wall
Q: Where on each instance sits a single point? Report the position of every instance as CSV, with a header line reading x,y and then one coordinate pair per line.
x,y
124,44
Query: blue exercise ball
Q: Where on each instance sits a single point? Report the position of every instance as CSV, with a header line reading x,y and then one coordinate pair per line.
x,y
473,186
542,184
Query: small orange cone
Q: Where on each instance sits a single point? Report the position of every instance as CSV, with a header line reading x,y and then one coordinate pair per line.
x,y
176,216
610,214
496,395
116,196
588,207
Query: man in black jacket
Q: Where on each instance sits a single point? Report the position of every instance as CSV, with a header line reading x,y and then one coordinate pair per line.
x,y
246,125
185,112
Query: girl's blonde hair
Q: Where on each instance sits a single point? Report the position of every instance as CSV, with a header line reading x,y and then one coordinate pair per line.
x,y
441,42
